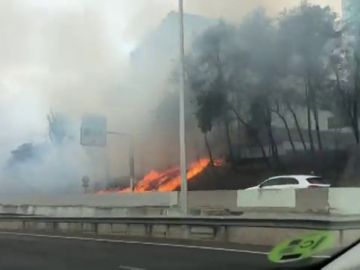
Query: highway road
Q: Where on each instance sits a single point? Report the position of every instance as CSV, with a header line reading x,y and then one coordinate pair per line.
x,y
28,251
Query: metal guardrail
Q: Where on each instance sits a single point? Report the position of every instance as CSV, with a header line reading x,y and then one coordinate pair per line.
x,y
198,221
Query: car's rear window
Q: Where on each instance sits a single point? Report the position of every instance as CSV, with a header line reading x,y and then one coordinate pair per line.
x,y
317,180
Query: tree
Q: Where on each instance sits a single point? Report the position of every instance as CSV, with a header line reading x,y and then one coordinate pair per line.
x,y
282,117
296,121
24,152
237,67
57,126
207,76
306,31
209,106
258,84
347,93
345,64
244,68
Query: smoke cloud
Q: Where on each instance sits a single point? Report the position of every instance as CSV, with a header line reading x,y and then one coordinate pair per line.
x,y
73,57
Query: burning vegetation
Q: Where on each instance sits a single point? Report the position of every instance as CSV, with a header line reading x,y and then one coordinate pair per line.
x,y
167,180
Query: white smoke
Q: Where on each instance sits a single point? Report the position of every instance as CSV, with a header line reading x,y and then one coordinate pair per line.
x,y
72,57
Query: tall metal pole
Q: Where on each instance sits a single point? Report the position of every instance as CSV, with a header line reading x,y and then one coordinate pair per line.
x,y
183,193
131,163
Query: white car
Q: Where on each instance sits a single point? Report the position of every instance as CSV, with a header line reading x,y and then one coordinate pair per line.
x,y
292,182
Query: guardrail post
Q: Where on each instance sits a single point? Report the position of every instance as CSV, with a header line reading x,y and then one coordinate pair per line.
x,y
186,231
341,237
54,226
96,228
167,231
148,230
221,233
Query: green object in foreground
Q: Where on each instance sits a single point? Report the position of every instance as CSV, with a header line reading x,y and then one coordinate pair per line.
x,y
301,247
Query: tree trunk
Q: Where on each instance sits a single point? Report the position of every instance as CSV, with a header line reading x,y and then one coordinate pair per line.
x,y
228,141
313,105
208,148
355,116
283,119
317,127
355,122
308,108
297,124
310,130
253,133
274,149
239,125
349,106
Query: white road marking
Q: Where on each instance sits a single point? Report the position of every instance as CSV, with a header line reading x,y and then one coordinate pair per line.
x,y
104,240
126,267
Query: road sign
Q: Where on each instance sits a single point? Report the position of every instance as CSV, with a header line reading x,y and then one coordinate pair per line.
x,y
93,131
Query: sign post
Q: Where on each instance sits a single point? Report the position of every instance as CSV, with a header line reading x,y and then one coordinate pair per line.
x,y
131,156
94,133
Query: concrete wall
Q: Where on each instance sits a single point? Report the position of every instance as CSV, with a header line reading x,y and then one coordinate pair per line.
x,y
218,199
266,198
341,201
80,211
344,200
312,200
91,205
166,199
338,201
118,205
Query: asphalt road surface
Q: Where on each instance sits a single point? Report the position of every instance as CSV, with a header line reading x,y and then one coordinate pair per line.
x,y
27,251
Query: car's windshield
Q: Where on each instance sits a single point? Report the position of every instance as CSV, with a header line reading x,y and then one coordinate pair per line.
x,y
178,134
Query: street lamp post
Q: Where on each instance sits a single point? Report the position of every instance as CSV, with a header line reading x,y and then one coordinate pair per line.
x,y
183,192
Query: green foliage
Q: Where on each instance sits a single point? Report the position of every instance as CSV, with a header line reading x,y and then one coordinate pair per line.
x,y
263,66
247,71
304,32
211,106
208,74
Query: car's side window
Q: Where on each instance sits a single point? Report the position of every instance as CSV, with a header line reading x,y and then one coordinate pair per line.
x,y
271,182
288,181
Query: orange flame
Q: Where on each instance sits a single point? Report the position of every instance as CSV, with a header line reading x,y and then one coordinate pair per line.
x,y
167,180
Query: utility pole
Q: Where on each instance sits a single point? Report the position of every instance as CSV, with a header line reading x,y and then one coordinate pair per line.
x,y
131,163
183,192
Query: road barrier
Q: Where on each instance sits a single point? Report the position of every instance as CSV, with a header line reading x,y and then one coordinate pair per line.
x,y
339,201
151,199
118,205
265,217
266,232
